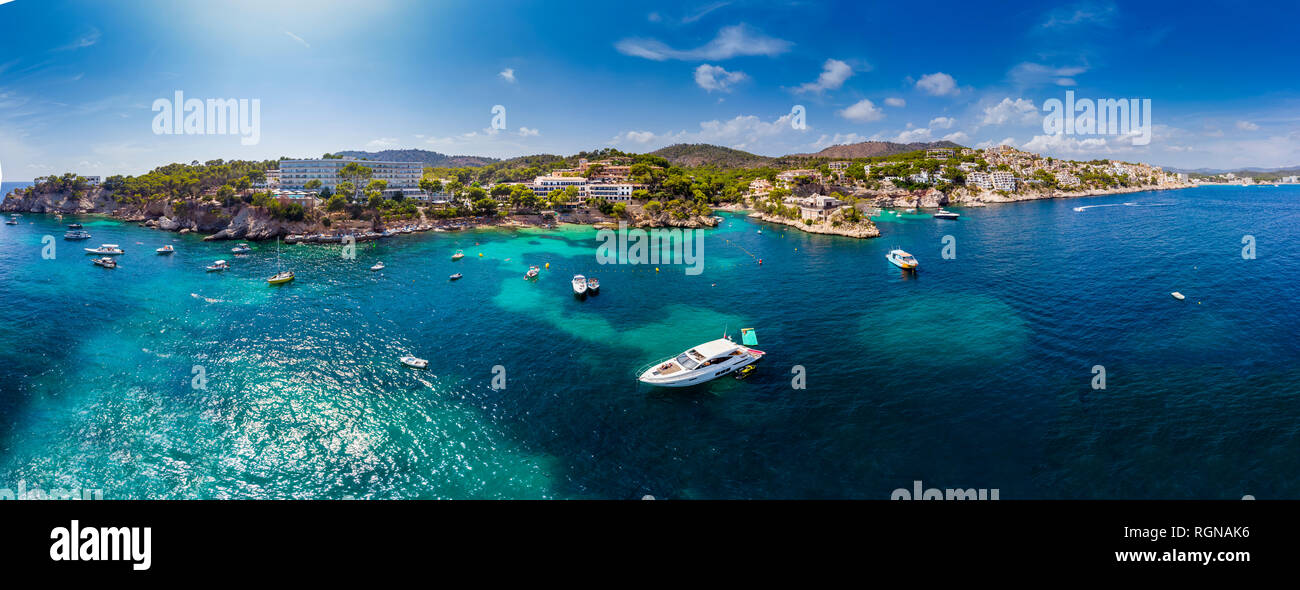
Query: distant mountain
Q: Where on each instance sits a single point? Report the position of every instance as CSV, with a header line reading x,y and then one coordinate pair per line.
x,y
703,154
875,149
428,158
1252,171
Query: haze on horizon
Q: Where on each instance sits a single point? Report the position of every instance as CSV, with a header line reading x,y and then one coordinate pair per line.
x,y
76,91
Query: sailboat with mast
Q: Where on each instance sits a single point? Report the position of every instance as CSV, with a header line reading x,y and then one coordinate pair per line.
x,y
281,276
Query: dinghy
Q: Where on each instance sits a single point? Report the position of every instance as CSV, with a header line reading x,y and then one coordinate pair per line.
x,y
417,363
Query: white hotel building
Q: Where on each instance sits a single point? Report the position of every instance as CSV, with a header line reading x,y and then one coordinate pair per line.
x,y
295,174
610,191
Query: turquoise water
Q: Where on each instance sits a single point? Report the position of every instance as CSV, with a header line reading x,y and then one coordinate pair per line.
x,y
975,372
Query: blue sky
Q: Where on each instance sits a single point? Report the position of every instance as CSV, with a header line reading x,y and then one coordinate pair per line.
x,y
78,78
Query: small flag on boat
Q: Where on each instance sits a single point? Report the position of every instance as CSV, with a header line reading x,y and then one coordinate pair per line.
x,y
748,337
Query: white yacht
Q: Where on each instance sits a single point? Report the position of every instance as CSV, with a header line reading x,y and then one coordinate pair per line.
x,y
168,249
218,265
241,249
579,285
105,249
378,266
701,364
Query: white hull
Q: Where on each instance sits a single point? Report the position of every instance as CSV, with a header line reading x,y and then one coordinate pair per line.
x,y
699,376
701,364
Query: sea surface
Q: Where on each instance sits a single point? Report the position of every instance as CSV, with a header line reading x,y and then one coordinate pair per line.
x,y
160,380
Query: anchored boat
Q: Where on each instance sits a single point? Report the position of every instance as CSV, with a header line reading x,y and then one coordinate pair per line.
x,y
902,260
417,363
218,265
579,285
168,249
105,249
942,214
701,364
281,276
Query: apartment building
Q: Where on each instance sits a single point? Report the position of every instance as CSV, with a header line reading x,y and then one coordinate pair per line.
x,y
1003,180
295,174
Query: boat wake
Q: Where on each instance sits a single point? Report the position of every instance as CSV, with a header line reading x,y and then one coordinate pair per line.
x,y
1124,205
208,299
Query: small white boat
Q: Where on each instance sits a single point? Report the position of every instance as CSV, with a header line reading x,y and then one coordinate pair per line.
x,y
76,234
455,277
378,266
532,273
13,220
593,285
219,265
458,255
417,363
579,285
942,214
105,249
105,262
241,249
701,364
168,249
1178,296
902,260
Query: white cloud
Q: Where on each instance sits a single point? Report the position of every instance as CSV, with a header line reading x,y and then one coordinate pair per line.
x,y
84,41
913,135
834,73
508,75
713,78
528,132
635,137
1247,126
1034,74
863,111
298,39
1021,111
942,123
937,84
1067,144
1083,13
894,101
741,132
382,143
733,41
654,17
988,144
957,137
838,139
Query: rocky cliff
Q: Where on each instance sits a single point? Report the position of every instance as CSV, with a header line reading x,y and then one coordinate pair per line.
x,y
239,221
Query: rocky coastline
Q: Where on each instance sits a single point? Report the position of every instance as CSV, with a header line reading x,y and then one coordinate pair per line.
x,y
862,230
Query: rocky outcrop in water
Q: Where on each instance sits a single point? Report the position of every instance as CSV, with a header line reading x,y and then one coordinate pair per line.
x,y
863,229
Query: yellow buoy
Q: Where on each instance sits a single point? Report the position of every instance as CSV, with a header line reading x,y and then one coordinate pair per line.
x,y
656,269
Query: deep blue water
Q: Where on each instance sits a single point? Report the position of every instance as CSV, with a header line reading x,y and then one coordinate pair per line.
x,y
976,372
